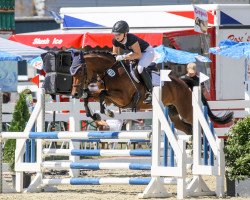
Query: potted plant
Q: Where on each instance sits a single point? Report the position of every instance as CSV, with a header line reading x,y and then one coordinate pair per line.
x,y
20,118
237,157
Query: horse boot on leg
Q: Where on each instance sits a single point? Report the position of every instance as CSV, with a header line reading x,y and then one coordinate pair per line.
x,y
149,86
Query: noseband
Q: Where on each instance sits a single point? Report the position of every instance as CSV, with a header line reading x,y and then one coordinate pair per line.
x,y
82,71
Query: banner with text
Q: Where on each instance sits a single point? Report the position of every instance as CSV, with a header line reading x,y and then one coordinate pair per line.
x,y
201,20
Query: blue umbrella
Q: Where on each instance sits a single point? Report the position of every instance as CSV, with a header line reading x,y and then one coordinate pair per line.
x,y
5,56
232,49
166,54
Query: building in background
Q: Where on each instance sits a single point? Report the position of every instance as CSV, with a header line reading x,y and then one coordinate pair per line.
x,y
33,24
7,18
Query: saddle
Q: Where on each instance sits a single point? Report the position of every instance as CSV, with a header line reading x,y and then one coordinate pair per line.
x,y
135,74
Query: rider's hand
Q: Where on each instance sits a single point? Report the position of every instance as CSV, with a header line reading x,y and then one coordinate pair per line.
x,y
120,57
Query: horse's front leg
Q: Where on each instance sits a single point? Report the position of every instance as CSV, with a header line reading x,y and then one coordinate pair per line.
x,y
95,116
86,106
103,109
102,96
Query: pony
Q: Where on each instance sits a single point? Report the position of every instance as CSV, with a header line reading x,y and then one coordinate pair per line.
x,y
118,87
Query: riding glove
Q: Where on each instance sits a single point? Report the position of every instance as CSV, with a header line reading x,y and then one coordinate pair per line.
x,y
120,57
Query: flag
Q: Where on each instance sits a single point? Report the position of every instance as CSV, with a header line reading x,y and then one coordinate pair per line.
x,y
164,75
35,80
203,77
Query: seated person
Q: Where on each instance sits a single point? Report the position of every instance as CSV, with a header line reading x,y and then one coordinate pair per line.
x,y
191,78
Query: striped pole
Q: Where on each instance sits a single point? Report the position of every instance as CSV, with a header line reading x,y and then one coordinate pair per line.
x,y
91,152
111,140
105,181
97,181
78,135
95,166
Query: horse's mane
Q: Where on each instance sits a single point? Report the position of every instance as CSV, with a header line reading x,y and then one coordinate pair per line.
x,y
105,53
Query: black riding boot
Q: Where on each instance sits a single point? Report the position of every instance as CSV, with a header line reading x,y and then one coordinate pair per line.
x,y
148,83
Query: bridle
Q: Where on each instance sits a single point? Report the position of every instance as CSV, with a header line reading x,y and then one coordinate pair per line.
x,y
82,87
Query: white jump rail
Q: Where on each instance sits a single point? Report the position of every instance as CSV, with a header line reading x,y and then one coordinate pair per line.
x,y
216,144
155,188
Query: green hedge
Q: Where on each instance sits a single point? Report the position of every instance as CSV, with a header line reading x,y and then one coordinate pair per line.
x,y
237,150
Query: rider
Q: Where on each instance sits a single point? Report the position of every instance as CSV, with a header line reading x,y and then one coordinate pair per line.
x,y
140,49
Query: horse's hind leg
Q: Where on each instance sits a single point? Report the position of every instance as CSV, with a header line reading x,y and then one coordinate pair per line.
x,y
183,105
178,123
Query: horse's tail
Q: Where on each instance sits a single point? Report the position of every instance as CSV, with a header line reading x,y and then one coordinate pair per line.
x,y
226,118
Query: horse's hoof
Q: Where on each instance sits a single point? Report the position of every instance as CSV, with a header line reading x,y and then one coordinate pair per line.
x,y
96,117
110,113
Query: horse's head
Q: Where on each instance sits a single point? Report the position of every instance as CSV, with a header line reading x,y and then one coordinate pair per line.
x,y
85,66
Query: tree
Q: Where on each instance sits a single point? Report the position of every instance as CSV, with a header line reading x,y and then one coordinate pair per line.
x,y
20,118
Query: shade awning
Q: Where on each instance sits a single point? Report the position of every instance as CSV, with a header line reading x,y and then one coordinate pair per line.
x,y
79,38
105,39
5,56
166,54
22,51
232,49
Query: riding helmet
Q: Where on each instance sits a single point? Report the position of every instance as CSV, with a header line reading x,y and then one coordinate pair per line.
x,y
120,27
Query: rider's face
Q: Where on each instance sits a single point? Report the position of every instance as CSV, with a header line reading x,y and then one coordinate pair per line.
x,y
119,36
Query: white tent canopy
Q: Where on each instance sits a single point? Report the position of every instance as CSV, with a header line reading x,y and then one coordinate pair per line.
x,y
24,51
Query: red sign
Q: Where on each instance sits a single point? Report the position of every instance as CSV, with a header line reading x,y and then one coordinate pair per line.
x,y
52,40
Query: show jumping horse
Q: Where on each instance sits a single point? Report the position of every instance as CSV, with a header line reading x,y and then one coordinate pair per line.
x,y
119,88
